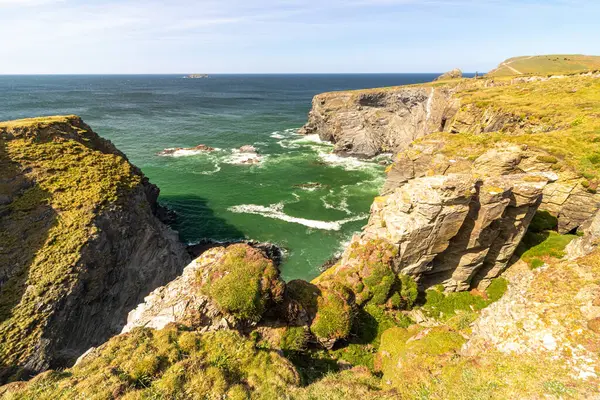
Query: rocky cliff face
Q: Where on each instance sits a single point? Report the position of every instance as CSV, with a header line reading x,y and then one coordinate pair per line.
x,y
457,216
369,122
80,242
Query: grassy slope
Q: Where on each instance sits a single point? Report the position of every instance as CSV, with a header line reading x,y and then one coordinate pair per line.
x,y
65,182
568,108
547,64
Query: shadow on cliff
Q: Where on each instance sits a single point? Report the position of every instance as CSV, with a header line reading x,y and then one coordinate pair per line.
x,y
25,221
196,221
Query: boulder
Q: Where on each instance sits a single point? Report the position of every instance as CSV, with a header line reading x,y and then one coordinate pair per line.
x,y
225,288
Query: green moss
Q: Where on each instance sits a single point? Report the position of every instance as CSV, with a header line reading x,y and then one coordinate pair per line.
x,y
169,363
294,339
335,314
497,289
547,159
446,305
408,291
244,283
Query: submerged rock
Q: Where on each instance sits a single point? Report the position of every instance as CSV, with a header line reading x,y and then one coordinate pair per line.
x,y
201,148
248,148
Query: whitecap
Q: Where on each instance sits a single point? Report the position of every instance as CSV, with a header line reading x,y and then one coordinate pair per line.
x,y
239,158
348,163
277,135
275,211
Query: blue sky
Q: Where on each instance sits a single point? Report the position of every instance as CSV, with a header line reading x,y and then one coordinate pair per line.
x,y
238,36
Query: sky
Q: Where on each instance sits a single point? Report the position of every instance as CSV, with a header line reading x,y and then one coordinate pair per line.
x,y
287,36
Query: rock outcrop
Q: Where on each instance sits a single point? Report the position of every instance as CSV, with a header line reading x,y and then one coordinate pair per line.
x,y
454,74
81,244
565,196
369,122
186,300
455,229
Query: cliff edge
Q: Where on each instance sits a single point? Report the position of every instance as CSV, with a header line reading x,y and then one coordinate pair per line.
x,y
80,244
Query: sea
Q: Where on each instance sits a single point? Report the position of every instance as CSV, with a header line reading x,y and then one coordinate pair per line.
x,y
297,193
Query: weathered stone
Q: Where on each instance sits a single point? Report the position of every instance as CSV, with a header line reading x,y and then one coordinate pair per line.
x,y
181,300
377,121
589,242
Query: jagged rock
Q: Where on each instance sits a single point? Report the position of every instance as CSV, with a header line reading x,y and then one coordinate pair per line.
x,y
420,218
248,148
563,196
82,250
454,229
201,148
367,123
187,300
588,243
454,74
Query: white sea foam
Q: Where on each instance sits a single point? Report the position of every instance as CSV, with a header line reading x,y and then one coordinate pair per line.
x,y
277,135
342,204
188,152
348,163
239,158
275,211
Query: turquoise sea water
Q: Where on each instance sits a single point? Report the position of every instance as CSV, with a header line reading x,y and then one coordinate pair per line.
x,y
213,195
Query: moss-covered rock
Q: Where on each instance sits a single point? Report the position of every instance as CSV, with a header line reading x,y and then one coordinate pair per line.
x,y
243,284
335,313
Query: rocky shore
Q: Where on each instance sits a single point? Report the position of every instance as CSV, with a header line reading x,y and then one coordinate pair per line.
x,y
467,282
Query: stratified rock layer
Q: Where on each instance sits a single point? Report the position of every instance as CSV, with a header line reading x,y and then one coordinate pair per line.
x,y
369,122
455,229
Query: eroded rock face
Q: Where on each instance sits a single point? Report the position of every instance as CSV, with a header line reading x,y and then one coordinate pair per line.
x,y
564,196
93,245
455,229
366,123
583,246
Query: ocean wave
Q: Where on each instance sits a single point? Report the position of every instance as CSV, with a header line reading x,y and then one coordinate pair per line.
x,y
275,211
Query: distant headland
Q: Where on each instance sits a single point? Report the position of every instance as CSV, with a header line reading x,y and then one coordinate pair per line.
x,y
196,76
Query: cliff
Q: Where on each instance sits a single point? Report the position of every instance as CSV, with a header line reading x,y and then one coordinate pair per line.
x,y
467,282
80,242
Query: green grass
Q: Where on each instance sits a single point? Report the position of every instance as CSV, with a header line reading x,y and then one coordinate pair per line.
x,y
537,248
446,305
560,116
170,363
548,64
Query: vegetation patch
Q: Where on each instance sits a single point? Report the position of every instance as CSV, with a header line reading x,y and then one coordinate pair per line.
x,y
61,176
537,248
445,305
335,314
243,283
170,363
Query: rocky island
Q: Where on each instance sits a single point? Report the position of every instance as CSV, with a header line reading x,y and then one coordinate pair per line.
x,y
475,277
